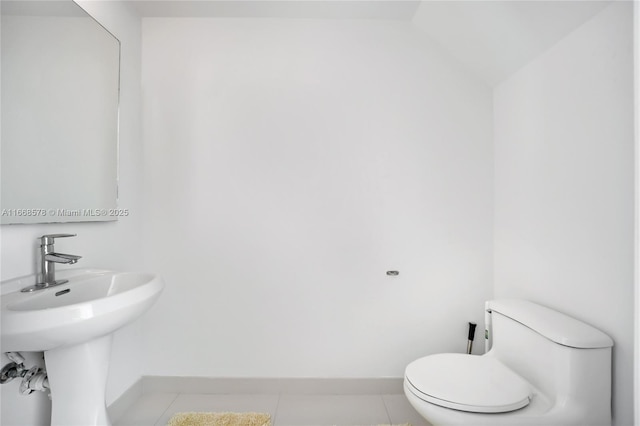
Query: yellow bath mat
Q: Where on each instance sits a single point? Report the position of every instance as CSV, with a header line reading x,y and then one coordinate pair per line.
x,y
220,419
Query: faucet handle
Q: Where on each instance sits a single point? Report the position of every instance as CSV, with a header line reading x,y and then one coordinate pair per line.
x,y
49,239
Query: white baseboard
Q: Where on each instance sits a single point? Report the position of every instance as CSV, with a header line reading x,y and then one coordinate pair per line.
x,y
118,407
319,386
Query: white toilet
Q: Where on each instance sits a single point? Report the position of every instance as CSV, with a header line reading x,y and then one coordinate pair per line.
x,y
543,368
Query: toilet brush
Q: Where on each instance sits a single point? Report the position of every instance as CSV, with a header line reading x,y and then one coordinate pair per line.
x,y
472,332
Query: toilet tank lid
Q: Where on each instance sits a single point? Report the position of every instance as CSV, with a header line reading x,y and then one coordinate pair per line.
x,y
553,325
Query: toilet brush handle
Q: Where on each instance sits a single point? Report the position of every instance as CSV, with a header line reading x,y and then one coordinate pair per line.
x,y
472,330
472,333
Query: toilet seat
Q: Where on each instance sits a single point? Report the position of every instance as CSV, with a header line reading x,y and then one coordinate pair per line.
x,y
478,384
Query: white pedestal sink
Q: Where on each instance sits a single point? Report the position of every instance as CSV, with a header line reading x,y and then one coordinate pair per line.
x,y
73,324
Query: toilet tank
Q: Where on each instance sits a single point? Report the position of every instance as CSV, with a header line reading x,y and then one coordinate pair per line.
x,y
565,359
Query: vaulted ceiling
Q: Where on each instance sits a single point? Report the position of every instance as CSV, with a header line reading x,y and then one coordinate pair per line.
x,y
491,38
496,38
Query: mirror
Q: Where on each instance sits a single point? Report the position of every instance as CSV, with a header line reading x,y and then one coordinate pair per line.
x,y
60,89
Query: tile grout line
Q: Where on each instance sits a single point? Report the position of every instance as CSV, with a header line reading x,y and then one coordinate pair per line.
x,y
166,409
275,414
386,409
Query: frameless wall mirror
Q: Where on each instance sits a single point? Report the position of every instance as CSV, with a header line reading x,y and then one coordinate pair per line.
x,y
60,89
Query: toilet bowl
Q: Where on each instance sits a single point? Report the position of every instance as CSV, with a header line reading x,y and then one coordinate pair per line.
x,y
543,368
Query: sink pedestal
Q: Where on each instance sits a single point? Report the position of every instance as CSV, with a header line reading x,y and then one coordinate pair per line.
x,y
72,324
78,379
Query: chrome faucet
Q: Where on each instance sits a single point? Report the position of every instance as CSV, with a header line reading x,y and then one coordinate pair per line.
x,y
48,260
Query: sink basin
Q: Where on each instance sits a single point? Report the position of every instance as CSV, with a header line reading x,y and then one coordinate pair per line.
x,y
73,324
93,303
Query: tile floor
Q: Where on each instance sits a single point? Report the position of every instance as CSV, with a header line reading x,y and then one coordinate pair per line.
x,y
285,409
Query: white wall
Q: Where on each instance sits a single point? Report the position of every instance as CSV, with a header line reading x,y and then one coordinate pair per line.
x,y
288,165
636,31
564,189
115,245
